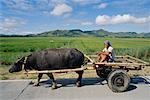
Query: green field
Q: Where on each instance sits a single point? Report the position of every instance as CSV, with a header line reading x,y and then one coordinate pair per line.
x,y
12,48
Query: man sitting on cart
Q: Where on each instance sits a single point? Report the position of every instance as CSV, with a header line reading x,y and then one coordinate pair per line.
x,y
107,53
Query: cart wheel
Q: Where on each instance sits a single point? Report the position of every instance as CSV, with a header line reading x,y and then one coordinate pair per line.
x,y
118,81
103,72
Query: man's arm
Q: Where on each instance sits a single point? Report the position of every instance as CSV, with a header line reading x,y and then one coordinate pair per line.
x,y
98,53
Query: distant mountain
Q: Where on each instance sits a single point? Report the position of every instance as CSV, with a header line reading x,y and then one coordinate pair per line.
x,y
80,33
66,33
97,33
76,33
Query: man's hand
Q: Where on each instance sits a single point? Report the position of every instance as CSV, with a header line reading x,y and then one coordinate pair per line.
x,y
99,53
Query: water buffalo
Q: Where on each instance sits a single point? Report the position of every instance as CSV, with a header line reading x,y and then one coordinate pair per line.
x,y
51,59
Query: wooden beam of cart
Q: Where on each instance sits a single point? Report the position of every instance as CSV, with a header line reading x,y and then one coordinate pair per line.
x,y
55,71
120,64
136,59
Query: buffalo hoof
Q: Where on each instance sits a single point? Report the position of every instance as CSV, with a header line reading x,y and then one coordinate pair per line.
x,y
54,86
31,83
36,84
78,84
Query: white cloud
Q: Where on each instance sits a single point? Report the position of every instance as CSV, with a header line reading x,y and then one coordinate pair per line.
x,y
103,5
61,9
67,15
86,2
126,18
10,24
86,23
26,32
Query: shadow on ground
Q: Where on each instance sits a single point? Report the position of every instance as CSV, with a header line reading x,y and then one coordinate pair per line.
x,y
137,80
71,82
140,80
93,81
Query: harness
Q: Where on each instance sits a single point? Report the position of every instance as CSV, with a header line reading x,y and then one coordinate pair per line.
x,y
24,62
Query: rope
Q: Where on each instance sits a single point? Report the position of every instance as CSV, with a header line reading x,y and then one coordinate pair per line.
x,y
23,65
24,62
89,58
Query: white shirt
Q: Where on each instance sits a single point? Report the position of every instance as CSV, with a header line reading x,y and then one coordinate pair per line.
x,y
110,49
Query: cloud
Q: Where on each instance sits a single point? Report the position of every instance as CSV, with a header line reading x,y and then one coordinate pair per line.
x,y
87,23
103,5
61,9
86,2
10,24
118,19
26,32
18,4
28,6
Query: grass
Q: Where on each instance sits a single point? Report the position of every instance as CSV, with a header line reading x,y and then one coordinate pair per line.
x,y
12,48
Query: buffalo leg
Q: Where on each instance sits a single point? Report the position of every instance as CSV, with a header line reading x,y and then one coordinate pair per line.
x,y
78,82
54,85
38,80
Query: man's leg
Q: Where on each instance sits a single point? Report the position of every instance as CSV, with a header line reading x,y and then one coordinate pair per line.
x,y
103,58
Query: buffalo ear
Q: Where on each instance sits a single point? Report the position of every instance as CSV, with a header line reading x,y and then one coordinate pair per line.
x,y
18,58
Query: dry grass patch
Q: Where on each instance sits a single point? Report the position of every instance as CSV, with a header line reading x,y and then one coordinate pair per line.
x,y
5,75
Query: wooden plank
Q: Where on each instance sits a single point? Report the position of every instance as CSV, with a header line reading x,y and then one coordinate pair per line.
x,y
122,67
129,60
55,71
119,56
120,64
139,60
94,56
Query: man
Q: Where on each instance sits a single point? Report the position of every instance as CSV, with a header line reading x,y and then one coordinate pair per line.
x,y
107,54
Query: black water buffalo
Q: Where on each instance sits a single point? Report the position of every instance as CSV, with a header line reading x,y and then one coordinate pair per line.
x,y
51,59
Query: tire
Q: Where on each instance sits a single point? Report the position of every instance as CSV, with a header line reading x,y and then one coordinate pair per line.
x,y
118,81
103,72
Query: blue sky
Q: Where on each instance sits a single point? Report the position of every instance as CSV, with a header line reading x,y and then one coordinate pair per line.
x,y
35,16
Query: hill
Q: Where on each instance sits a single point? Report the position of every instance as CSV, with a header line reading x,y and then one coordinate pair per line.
x,y
80,33
97,33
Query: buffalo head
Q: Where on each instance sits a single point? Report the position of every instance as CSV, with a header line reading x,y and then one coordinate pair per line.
x,y
17,66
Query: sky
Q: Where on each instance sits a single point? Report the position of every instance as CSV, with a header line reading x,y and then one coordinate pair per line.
x,y
36,16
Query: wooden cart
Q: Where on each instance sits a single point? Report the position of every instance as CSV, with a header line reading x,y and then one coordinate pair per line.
x,y
114,72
